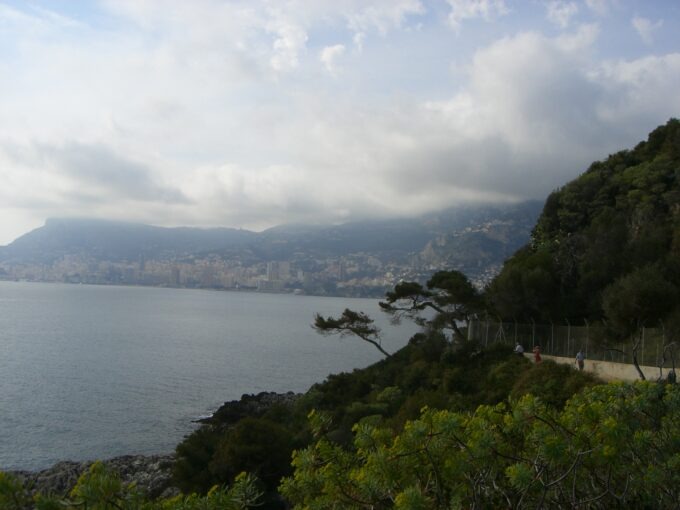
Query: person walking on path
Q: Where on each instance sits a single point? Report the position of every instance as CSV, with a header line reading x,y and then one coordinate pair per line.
x,y
537,353
580,359
519,350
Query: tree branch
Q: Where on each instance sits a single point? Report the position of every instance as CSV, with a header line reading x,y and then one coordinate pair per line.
x,y
350,323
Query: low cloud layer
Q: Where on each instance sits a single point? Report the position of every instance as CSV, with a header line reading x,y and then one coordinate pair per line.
x,y
250,115
94,170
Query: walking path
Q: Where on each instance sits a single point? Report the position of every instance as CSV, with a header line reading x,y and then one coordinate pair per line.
x,y
608,370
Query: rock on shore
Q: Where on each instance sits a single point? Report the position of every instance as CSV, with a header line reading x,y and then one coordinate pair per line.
x,y
252,405
152,474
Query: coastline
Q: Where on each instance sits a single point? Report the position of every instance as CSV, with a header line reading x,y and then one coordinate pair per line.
x,y
369,294
152,474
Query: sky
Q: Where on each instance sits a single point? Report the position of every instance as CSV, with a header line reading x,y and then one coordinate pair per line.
x,y
255,113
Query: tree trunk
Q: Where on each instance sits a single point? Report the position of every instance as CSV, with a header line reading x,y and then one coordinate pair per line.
x,y
376,344
457,331
635,359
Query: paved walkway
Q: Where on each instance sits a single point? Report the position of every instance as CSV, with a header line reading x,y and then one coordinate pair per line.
x,y
609,370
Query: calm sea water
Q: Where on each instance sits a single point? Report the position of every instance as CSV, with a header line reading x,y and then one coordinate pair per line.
x,y
96,371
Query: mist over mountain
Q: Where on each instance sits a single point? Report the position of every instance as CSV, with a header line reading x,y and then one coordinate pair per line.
x,y
406,234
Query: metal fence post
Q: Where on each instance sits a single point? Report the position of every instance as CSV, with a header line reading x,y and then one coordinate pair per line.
x,y
587,335
642,351
663,343
552,338
568,336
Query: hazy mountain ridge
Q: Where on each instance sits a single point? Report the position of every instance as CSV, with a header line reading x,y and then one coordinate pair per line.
x,y
358,259
116,241
113,240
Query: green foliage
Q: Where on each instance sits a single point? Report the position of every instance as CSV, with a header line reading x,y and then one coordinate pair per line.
x,y
12,493
611,446
619,218
101,489
525,288
429,371
449,294
257,446
553,383
350,323
191,471
643,295
452,288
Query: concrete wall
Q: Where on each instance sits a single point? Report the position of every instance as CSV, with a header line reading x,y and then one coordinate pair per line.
x,y
608,370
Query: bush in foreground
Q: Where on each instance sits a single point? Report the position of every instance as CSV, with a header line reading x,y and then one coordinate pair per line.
x,y
612,445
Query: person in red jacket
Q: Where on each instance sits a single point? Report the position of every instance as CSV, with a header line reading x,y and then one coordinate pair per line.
x,y
537,353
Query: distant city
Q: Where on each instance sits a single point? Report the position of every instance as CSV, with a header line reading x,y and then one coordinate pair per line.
x,y
351,260
359,274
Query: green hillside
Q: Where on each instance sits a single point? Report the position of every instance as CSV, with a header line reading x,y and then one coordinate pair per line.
x,y
606,244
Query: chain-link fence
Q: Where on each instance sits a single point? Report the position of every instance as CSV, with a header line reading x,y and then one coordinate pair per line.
x,y
566,339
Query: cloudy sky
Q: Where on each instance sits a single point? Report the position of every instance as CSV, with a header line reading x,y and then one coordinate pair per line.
x,y
259,112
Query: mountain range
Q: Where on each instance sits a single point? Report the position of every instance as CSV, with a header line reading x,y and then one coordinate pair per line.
x,y
492,228
475,239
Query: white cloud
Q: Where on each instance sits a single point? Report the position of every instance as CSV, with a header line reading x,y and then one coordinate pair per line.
x,y
646,28
358,40
580,40
290,41
381,16
560,13
462,10
216,113
600,7
530,99
329,56
639,91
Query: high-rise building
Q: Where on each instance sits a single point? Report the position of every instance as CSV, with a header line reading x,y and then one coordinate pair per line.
x,y
174,276
273,271
284,270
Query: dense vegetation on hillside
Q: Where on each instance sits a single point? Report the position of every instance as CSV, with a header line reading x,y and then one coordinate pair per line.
x,y
428,372
607,244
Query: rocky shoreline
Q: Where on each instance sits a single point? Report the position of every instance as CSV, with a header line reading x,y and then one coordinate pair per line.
x,y
151,473
233,411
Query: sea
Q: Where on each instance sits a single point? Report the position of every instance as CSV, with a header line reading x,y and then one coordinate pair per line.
x,y
92,372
